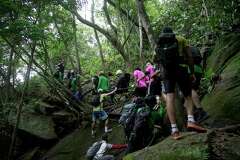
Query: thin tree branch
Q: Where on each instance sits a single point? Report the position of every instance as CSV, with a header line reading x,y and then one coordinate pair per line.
x,y
112,38
127,38
131,19
108,17
146,23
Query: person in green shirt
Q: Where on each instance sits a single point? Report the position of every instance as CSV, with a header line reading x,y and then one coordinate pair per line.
x,y
103,83
157,111
74,86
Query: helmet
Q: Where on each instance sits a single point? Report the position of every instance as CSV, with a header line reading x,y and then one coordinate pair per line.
x,y
119,72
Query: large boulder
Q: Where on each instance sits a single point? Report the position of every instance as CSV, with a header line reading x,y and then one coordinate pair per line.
x,y
223,101
75,145
192,147
37,125
218,144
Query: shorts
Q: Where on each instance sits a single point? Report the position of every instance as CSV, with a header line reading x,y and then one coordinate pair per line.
x,y
102,115
196,83
178,76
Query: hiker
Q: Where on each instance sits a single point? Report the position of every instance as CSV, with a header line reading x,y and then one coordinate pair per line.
x,y
157,115
74,85
155,86
59,74
69,78
122,82
139,127
98,150
174,58
95,81
150,69
103,83
128,116
99,113
200,114
60,69
140,82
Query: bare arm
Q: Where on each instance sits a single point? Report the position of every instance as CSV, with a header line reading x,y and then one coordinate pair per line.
x,y
107,94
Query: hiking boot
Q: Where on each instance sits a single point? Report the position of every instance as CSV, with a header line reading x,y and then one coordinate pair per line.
x,y
194,127
176,135
201,116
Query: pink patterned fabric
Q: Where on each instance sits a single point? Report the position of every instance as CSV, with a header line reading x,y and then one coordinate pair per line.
x,y
150,69
140,78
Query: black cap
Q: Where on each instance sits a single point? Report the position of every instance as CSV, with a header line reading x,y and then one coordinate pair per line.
x,y
167,30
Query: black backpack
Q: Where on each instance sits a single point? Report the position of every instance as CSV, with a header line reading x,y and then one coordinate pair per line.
x,y
129,122
141,120
126,112
196,55
167,50
95,100
142,130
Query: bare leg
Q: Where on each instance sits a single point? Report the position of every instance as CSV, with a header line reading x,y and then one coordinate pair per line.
x,y
191,122
106,123
170,102
195,99
164,97
189,105
93,128
106,129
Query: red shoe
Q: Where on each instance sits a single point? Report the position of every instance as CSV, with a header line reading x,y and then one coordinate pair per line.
x,y
176,135
194,127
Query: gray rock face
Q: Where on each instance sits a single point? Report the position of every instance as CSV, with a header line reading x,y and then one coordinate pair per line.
x,y
37,125
75,145
224,100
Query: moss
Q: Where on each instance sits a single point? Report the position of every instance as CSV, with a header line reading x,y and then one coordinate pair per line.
x,y
191,147
223,101
38,125
225,49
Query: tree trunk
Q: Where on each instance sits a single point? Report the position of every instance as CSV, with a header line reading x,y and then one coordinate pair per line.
x,y
19,108
97,38
146,23
76,46
9,74
108,17
140,41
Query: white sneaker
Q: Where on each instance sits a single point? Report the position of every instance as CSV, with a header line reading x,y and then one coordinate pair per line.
x,y
108,130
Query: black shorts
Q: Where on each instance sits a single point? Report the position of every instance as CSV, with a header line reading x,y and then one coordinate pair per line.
x,y
180,76
196,83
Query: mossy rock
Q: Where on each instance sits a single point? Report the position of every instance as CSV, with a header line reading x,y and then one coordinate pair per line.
x,y
75,145
34,124
192,147
223,102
